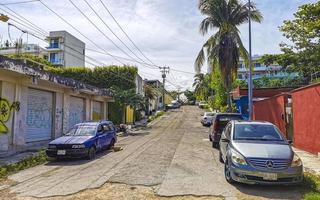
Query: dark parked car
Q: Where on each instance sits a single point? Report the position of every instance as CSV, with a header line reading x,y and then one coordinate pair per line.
x,y
257,153
219,121
84,140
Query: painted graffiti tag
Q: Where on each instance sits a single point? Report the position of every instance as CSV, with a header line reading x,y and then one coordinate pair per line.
x,y
5,113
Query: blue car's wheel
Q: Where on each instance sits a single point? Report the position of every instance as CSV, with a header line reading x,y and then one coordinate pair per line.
x,y
111,145
91,153
227,172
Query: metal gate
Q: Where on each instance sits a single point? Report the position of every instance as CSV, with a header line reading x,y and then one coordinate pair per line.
x,y
96,110
76,111
39,115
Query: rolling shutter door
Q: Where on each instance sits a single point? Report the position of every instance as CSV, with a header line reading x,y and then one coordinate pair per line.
x,y
96,111
39,115
76,111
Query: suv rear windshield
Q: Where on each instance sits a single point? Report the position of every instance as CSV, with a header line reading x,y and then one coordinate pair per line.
x,y
224,119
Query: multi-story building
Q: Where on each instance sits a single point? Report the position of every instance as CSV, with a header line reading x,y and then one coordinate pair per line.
x,y
65,50
261,70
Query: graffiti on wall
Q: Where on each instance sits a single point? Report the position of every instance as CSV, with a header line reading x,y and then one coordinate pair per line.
x,y
5,113
39,113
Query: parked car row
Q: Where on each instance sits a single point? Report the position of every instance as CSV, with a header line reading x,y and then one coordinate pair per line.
x,y
253,152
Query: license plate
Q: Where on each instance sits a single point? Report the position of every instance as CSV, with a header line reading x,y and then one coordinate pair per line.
x,y
269,176
61,152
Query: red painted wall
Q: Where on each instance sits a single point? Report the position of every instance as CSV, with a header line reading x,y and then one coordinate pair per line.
x,y
271,110
306,118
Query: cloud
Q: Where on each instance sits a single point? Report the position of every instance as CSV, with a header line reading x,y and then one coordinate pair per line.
x,y
166,30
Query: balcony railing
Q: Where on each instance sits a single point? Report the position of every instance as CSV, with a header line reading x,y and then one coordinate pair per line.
x,y
53,46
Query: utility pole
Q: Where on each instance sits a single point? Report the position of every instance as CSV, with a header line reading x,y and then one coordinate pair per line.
x,y
250,84
164,71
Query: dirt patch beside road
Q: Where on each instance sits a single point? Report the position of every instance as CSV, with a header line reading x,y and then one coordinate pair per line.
x,y
121,191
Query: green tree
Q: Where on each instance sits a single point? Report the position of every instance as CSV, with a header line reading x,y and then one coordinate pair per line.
x,y
201,86
224,47
190,95
128,98
302,54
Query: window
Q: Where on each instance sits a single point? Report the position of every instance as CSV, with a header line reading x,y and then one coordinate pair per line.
x,y
54,43
111,127
106,128
256,65
228,131
257,132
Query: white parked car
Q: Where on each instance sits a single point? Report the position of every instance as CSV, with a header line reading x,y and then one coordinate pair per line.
x,y
203,104
207,118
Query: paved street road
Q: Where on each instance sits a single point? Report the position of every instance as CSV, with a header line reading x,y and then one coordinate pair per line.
x,y
174,157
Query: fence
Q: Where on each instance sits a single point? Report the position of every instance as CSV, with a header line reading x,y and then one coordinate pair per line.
x,y
306,117
272,110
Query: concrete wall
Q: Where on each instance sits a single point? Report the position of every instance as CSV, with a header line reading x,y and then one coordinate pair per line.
x,y
306,116
272,110
14,89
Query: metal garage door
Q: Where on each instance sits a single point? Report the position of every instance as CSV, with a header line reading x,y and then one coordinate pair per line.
x,y
96,110
76,111
39,115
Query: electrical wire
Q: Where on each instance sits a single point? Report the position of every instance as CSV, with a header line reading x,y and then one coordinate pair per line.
x,y
21,18
114,19
95,44
19,2
112,30
83,14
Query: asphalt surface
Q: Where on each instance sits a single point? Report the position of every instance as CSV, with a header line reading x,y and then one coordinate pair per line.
x,y
174,157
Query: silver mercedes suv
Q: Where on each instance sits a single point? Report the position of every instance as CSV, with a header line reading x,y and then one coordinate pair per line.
x,y
257,153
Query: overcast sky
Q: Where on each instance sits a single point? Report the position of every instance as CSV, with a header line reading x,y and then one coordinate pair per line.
x,y
167,31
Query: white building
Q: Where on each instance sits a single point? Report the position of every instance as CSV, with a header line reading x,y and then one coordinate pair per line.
x,y
261,70
65,50
33,49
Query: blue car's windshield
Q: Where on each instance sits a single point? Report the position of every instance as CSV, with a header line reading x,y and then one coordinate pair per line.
x,y
256,132
82,130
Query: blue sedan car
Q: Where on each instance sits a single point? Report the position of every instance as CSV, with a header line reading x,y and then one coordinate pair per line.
x,y
84,140
256,153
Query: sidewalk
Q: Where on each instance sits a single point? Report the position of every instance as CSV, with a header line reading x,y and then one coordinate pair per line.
x,y
311,162
17,157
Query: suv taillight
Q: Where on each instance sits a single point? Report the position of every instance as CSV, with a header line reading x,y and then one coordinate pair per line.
x,y
216,126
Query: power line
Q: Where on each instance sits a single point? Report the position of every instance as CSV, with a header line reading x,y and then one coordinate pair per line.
x,y
20,21
112,30
38,37
21,18
19,2
99,29
95,44
114,19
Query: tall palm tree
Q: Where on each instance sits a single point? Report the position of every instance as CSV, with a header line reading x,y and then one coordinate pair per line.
x,y
201,85
224,47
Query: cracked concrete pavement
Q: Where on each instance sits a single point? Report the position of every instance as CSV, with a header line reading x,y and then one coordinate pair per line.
x,y
174,157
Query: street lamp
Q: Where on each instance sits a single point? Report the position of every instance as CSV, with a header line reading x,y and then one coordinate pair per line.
x,y
250,85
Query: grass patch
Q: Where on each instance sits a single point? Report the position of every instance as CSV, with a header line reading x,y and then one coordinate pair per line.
x,y
312,186
24,164
157,115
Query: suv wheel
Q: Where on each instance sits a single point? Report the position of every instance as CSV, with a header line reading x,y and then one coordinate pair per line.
x,y
91,153
227,172
215,144
220,157
111,145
